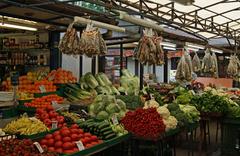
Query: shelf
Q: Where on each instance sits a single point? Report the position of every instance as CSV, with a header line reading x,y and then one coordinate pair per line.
x,y
25,65
30,49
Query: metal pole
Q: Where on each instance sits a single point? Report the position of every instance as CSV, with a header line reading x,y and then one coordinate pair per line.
x,y
121,58
141,65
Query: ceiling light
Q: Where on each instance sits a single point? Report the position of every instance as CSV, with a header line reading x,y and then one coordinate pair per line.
x,y
168,44
192,49
17,27
195,46
169,48
216,50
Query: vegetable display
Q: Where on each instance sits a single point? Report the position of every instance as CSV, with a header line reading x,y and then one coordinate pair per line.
x,y
23,147
64,140
131,101
25,126
144,123
45,101
105,106
48,115
129,83
61,76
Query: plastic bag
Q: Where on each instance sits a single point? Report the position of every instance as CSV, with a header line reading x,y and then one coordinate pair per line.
x,y
207,62
214,67
196,64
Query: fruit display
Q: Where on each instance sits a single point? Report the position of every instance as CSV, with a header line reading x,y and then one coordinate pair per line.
x,y
64,140
71,117
74,93
45,84
25,126
61,76
48,116
45,101
105,106
25,96
101,129
25,147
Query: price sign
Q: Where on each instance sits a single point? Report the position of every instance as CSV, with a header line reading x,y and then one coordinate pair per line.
x,y
33,118
39,147
80,145
54,124
115,120
42,89
14,78
152,96
84,111
54,103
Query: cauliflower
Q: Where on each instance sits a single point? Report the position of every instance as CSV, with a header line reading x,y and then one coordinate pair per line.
x,y
170,123
150,104
163,111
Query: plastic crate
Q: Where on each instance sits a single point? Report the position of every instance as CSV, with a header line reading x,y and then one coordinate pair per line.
x,y
230,135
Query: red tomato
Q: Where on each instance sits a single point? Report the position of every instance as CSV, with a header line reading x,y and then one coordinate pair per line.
x,y
88,146
67,139
80,131
50,142
51,149
74,131
49,136
74,126
87,135
68,151
94,143
67,145
74,137
52,114
58,144
93,138
80,136
43,142
59,150
56,133
58,137
65,132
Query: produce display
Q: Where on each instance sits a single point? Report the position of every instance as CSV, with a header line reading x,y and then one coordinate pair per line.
x,y
132,102
25,96
23,147
69,44
129,83
64,140
71,117
74,93
91,42
144,123
101,129
45,101
105,106
61,76
48,115
149,50
25,126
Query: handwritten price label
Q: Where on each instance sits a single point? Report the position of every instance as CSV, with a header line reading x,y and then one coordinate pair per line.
x,y
42,89
54,124
80,145
115,120
39,147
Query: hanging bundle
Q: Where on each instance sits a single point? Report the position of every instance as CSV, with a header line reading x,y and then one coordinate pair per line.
x,y
207,62
184,69
69,42
233,66
214,68
149,50
196,64
91,42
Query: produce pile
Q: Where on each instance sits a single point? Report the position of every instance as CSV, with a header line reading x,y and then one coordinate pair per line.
x,y
184,68
70,41
129,83
61,76
100,83
107,106
45,101
74,93
71,117
144,123
233,66
64,140
23,147
48,115
91,42
25,126
149,50
25,96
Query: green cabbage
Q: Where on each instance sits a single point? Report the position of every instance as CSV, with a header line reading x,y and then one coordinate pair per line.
x,y
121,104
103,115
100,81
90,80
105,79
112,108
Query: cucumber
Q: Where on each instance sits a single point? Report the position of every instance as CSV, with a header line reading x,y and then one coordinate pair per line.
x,y
107,133
103,125
106,129
110,136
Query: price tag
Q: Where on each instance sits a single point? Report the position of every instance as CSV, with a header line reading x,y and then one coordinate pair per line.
x,y
193,92
54,124
126,93
42,89
115,120
152,96
84,111
80,145
54,103
39,147
33,118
